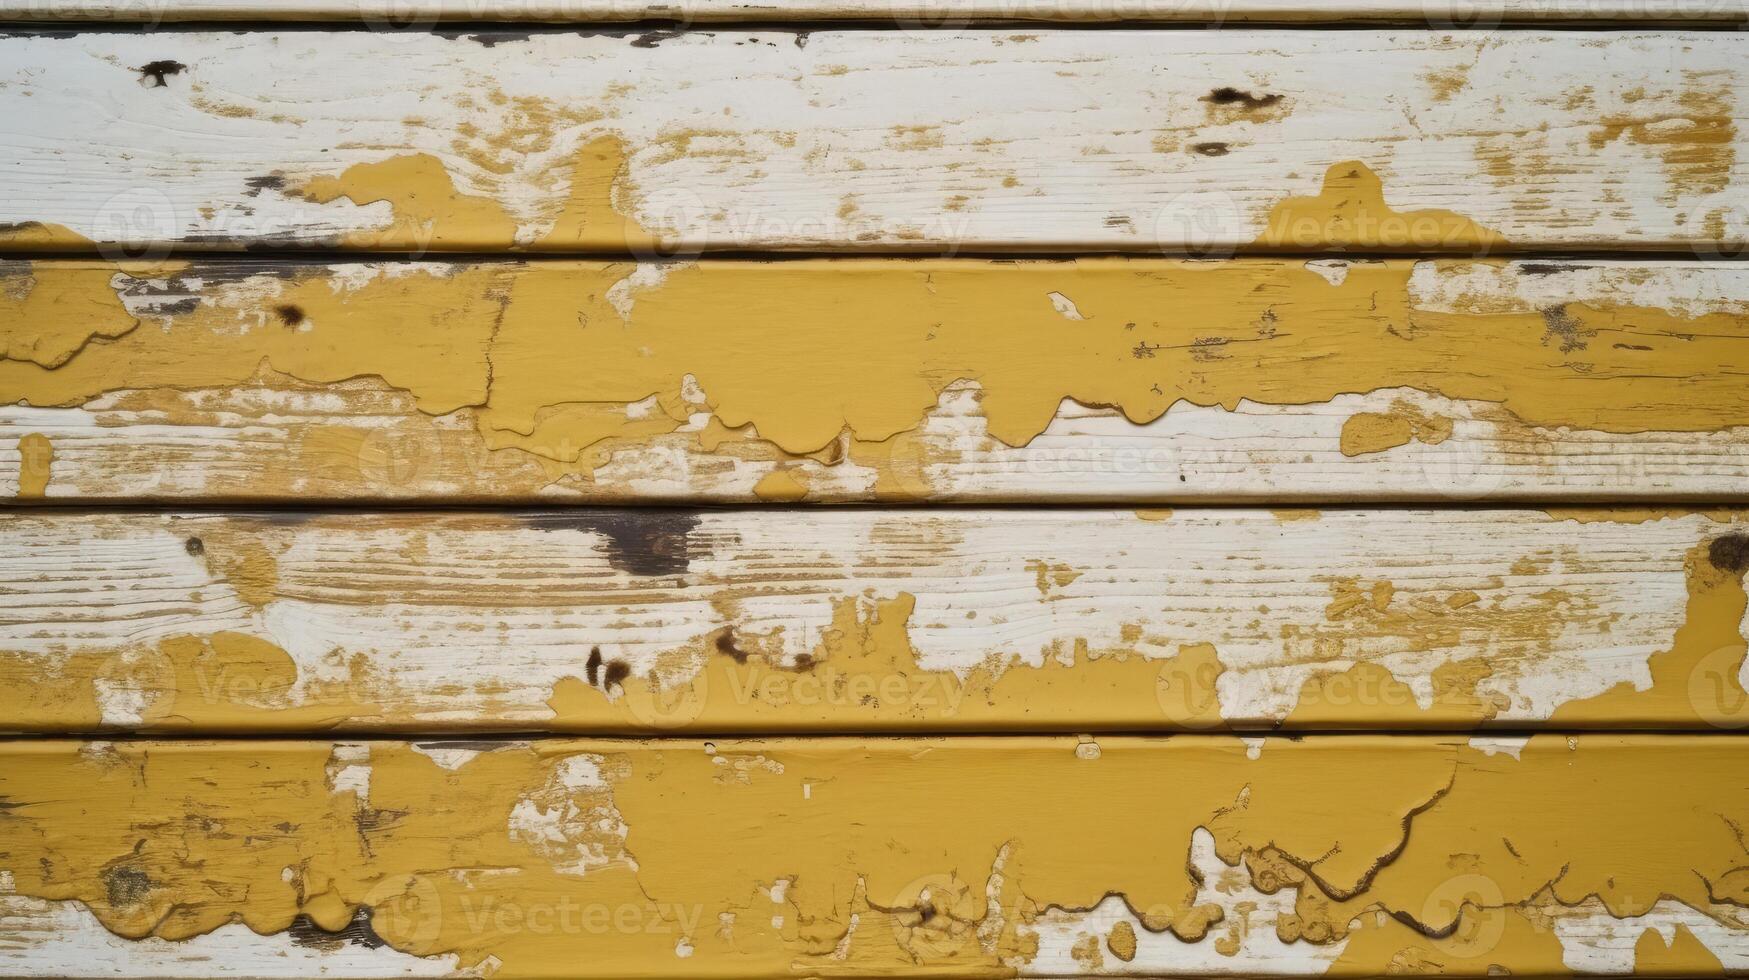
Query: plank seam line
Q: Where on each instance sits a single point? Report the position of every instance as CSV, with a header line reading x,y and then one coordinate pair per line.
x,y
196,508
266,256
466,29
424,737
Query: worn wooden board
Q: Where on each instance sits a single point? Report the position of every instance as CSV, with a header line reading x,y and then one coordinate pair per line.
x,y
1102,380
865,620
399,15
1192,856
1136,140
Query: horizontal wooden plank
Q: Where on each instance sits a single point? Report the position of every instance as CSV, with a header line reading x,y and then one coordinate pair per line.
x,y
401,15
1133,140
1191,856
870,620
847,380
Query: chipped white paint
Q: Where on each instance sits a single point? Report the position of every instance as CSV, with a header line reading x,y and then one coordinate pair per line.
x,y
1510,745
448,756
409,596
1065,307
1594,941
349,770
1334,271
571,821
744,139
1688,288
645,275
1248,925
64,940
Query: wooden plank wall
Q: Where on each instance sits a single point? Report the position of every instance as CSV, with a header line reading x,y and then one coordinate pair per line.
x,y
593,488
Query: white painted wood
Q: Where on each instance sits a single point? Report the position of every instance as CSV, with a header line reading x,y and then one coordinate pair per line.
x,y
1288,454
63,939
406,14
834,139
470,620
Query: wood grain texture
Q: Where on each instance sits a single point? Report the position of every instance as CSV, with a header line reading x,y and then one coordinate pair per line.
x,y
1103,380
1136,140
400,15
863,620
1192,856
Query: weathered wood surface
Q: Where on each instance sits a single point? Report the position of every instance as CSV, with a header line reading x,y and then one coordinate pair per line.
x,y
1105,380
863,620
1192,856
398,15
1135,140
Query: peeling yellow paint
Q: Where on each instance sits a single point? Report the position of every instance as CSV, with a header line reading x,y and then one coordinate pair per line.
x,y
1374,432
1122,941
781,486
1351,213
816,858
36,457
546,365
430,213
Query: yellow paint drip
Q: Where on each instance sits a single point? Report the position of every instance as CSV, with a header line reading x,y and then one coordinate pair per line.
x,y
36,456
1374,432
429,213
1351,213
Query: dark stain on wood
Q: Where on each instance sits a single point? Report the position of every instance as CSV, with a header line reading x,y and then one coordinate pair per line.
x,y
271,182
1730,553
1227,95
306,933
640,542
160,71
651,39
1211,149
1565,327
126,886
615,675
724,641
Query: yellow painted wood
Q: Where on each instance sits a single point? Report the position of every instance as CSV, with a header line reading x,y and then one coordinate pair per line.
x,y
874,379
951,857
868,620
